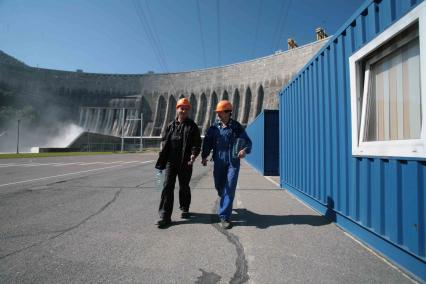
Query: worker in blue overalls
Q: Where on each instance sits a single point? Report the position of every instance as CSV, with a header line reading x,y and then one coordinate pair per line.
x,y
230,143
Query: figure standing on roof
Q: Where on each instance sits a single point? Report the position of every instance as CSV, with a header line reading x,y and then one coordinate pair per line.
x,y
230,143
181,144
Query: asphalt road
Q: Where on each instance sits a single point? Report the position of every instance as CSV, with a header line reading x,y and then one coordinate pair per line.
x,y
92,220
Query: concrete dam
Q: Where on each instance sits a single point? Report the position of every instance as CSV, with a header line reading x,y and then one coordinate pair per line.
x,y
110,103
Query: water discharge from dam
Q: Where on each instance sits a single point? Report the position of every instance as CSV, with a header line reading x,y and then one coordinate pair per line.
x,y
119,118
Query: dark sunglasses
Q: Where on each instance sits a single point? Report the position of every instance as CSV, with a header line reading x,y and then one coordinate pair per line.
x,y
184,108
227,111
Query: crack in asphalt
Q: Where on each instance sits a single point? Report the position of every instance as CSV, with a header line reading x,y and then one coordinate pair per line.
x,y
241,272
62,232
145,182
117,193
241,264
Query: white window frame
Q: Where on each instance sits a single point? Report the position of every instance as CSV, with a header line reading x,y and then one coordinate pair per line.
x,y
415,148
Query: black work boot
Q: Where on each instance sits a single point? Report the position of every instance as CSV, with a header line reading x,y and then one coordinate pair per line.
x,y
226,224
185,213
164,223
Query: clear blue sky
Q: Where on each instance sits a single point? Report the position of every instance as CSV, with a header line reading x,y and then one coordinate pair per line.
x,y
110,36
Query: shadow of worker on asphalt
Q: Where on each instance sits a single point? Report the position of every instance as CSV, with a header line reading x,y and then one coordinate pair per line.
x,y
244,217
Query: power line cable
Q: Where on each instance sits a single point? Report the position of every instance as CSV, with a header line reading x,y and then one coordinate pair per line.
x,y
283,25
153,38
201,33
142,20
154,42
259,14
218,32
155,35
159,46
278,26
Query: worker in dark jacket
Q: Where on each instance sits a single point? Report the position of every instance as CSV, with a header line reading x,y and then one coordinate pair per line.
x,y
181,144
230,143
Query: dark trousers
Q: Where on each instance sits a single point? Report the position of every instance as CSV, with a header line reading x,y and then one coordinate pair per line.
x,y
167,195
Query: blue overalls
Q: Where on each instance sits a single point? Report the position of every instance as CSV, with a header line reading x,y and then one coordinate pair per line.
x,y
226,167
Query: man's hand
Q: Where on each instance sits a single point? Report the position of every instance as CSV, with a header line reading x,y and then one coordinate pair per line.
x,y
191,161
204,162
242,154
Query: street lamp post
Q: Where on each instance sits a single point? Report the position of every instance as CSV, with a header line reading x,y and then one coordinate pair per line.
x,y
88,141
17,141
141,147
122,133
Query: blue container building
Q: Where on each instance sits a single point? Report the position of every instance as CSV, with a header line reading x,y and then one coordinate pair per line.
x,y
353,131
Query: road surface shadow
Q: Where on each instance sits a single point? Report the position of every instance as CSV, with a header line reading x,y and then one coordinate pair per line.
x,y
244,217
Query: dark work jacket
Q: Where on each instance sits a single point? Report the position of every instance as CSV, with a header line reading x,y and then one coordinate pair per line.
x,y
191,143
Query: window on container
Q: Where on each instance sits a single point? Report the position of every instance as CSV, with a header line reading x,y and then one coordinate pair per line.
x,y
392,94
388,98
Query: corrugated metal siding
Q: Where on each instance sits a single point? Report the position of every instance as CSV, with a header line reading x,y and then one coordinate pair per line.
x,y
385,196
265,135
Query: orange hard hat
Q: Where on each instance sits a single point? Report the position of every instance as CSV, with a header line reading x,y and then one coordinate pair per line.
x,y
223,105
183,102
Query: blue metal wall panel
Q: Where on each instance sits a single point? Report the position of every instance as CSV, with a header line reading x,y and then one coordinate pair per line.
x,y
256,133
264,132
380,200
